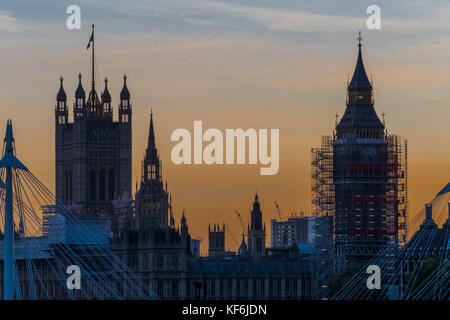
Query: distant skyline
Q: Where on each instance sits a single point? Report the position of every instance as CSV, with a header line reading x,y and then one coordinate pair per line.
x,y
234,64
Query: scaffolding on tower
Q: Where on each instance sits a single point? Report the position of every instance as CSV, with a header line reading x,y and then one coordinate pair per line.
x,y
322,186
393,173
397,187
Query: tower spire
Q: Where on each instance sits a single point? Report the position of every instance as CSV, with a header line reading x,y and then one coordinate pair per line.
x,y
151,164
151,145
360,79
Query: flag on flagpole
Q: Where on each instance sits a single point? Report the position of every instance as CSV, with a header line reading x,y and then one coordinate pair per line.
x,y
90,40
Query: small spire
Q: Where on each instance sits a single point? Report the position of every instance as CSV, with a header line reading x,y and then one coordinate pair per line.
x,y
61,96
79,93
106,96
151,145
183,218
125,94
242,251
360,39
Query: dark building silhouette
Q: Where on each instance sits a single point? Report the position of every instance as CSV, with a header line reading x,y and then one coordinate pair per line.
x,y
285,274
154,249
93,177
256,231
428,241
163,257
152,205
216,242
92,153
359,176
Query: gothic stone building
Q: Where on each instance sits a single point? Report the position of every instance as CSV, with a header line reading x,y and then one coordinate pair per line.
x,y
162,256
368,171
93,177
92,153
145,240
256,231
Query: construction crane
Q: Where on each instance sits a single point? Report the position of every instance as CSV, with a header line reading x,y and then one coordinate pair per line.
x,y
278,210
242,222
232,236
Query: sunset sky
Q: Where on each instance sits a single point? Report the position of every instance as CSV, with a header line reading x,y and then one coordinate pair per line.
x,y
234,64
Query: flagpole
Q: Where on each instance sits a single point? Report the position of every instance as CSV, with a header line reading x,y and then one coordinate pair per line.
x,y
93,69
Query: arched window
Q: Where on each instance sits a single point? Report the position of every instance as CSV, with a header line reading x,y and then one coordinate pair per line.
x,y
102,185
112,184
93,185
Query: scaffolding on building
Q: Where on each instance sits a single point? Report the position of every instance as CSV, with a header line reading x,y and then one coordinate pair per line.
x,y
397,188
322,186
394,176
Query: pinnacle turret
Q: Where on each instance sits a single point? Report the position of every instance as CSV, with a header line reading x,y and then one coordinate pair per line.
x,y
61,96
124,94
79,93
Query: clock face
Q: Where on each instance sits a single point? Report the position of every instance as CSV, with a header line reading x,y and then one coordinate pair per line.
x,y
369,154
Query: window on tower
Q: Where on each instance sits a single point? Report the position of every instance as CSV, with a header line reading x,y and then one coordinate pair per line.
x,y
93,185
151,172
102,185
259,245
112,184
